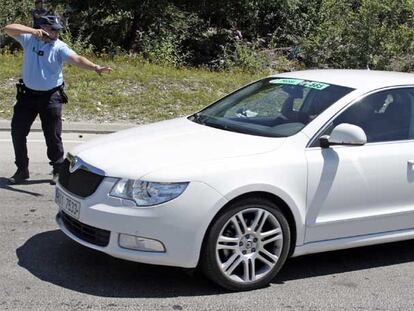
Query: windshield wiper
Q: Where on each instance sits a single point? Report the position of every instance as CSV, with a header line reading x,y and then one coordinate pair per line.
x,y
198,118
209,121
213,122
231,127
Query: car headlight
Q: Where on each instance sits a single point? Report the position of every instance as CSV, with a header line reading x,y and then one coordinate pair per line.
x,y
146,193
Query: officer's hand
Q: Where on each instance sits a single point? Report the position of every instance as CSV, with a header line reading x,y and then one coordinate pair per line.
x,y
99,69
40,34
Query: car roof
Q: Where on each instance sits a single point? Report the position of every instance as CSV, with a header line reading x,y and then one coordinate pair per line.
x,y
353,78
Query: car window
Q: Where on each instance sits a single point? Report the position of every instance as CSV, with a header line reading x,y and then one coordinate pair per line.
x,y
384,116
272,107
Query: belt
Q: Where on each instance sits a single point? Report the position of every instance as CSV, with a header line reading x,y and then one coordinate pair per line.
x,y
35,92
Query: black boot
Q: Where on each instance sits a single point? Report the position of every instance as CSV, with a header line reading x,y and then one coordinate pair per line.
x,y
55,173
20,176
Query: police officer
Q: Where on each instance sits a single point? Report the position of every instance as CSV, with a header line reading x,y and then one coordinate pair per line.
x,y
40,92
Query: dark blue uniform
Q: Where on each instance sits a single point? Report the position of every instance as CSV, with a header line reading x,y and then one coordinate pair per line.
x,y
48,105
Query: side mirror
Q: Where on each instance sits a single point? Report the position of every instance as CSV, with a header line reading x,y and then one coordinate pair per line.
x,y
344,134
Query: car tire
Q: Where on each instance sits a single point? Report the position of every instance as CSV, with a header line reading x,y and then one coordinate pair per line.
x,y
246,245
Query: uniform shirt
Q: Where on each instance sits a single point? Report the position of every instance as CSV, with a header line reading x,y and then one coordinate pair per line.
x,y
37,21
43,62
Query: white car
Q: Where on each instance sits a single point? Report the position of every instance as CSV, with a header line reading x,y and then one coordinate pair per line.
x,y
293,164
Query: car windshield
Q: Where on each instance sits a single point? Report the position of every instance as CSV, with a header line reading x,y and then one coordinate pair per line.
x,y
272,107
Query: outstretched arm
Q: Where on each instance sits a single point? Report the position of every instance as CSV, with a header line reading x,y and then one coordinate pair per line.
x,y
83,62
15,30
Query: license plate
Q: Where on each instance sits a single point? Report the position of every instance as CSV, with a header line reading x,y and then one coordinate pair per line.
x,y
67,204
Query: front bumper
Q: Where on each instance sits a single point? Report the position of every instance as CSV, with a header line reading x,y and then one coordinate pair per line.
x,y
179,224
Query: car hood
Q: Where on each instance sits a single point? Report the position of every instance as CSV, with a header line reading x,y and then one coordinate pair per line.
x,y
138,151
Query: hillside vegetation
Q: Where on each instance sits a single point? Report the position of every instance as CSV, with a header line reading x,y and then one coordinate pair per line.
x,y
246,34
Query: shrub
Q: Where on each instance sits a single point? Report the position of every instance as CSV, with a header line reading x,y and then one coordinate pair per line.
x,y
361,34
11,12
163,41
79,44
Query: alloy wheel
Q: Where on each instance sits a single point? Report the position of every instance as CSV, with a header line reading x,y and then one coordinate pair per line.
x,y
249,245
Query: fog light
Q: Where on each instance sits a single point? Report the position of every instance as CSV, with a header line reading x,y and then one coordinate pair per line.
x,y
140,244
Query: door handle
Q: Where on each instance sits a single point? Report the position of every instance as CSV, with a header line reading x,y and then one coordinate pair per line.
x,y
410,162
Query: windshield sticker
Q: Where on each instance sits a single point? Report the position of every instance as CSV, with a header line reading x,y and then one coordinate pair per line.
x,y
286,81
315,85
309,84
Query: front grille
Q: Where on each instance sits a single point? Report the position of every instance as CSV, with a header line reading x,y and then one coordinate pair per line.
x,y
81,182
85,232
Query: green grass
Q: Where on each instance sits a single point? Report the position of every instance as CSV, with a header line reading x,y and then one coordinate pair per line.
x,y
136,91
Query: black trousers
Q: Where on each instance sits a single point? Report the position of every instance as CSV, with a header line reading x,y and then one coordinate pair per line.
x,y
49,107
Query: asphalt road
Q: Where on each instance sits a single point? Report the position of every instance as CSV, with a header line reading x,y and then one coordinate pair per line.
x,y
41,269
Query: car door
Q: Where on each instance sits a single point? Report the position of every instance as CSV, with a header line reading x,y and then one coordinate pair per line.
x,y
360,190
